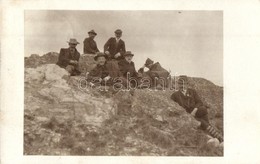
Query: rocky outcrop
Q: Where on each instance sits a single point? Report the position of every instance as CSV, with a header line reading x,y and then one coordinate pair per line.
x,y
61,117
86,61
35,60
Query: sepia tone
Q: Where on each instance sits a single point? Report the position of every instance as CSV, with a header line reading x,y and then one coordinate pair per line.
x,y
65,115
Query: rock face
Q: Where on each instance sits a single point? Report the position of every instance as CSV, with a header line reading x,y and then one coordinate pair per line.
x,y
61,118
35,60
86,61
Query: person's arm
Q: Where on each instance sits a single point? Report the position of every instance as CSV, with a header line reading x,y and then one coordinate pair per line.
x,y
92,74
173,97
62,57
152,74
141,70
85,51
122,50
97,50
78,56
107,45
88,48
198,101
135,73
121,68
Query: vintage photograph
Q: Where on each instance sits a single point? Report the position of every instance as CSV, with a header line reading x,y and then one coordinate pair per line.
x,y
123,83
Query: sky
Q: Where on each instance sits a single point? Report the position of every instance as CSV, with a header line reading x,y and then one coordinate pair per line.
x,y
184,42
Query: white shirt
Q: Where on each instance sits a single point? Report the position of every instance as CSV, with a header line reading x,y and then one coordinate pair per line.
x,y
117,40
184,92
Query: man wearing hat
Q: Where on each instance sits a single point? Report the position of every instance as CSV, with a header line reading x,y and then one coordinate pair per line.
x,y
100,75
190,101
69,57
115,46
157,74
90,45
127,69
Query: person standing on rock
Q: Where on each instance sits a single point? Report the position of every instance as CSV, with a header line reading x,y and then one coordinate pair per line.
x,y
190,101
115,49
69,57
90,45
158,75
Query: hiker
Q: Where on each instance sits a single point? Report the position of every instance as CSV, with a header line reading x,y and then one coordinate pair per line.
x,y
100,74
114,49
69,57
90,45
127,69
157,74
115,46
190,101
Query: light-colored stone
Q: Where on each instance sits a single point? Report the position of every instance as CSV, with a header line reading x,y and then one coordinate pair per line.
x,y
213,142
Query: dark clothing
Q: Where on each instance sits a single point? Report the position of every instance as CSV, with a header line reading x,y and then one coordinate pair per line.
x,y
64,59
100,71
126,67
157,71
113,68
190,101
113,47
90,46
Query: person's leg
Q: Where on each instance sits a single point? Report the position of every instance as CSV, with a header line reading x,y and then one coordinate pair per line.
x,y
113,68
202,116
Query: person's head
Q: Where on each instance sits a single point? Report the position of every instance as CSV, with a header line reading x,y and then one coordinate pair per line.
x,y
128,56
100,58
73,43
118,33
148,63
183,82
92,34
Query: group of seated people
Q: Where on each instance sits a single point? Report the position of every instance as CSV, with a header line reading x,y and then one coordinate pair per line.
x,y
114,65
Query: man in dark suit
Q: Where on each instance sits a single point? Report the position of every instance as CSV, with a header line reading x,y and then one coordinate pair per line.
x,y
69,57
100,75
90,45
100,72
157,74
190,101
115,46
127,69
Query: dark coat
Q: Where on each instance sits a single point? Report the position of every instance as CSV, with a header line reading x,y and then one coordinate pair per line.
x,y
189,101
125,67
114,48
158,71
98,72
65,56
90,46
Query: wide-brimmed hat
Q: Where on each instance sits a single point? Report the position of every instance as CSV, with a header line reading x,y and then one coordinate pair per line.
x,y
128,53
92,32
73,41
148,62
182,79
118,31
100,54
